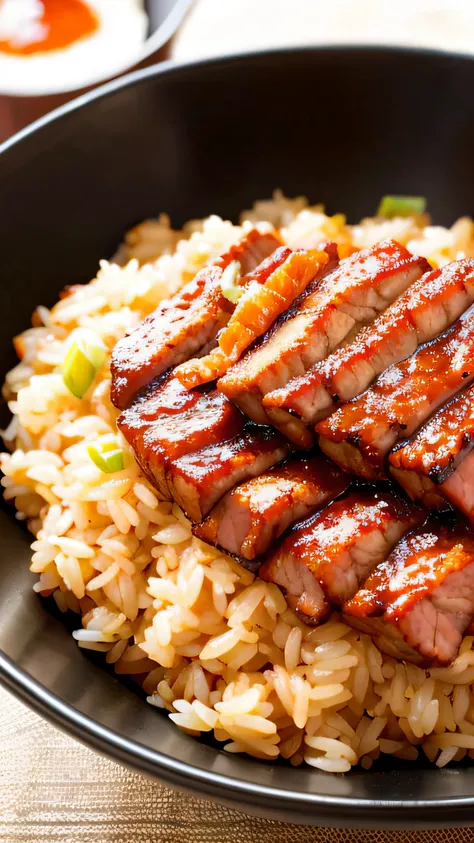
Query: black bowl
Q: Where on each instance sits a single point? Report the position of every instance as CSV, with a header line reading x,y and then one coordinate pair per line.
x,y
343,126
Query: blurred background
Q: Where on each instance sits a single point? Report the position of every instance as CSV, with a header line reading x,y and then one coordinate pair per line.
x,y
52,50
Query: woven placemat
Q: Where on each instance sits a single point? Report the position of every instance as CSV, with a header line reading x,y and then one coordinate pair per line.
x,y
54,790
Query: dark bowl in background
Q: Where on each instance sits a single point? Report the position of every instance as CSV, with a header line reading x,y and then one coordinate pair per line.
x,y
341,125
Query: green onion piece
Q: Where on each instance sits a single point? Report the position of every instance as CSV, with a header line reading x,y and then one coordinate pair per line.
x,y
80,365
401,206
232,294
230,282
95,353
107,457
78,371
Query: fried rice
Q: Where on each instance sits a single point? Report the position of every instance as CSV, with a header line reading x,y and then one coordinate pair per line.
x,y
210,643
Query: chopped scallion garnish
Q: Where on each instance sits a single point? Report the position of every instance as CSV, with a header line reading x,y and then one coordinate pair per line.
x,y
81,364
106,456
401,206
230,282
232,294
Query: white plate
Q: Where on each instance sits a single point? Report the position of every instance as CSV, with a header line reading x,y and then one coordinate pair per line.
x,y
107,53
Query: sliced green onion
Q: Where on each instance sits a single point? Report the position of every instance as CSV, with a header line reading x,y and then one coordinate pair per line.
x,y
78,371
232,294
106,456
230,282
95,353
80,366
401,206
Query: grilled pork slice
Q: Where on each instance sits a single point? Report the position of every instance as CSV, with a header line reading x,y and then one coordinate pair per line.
x,y
183,325
353,294
262,301
437,464
324,561
361,433
426,309
203,369
198,480
166,421
248,519
418,603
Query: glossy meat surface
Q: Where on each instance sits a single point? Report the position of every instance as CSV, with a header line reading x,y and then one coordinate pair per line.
x,y
254,314
264,299
437,464
418,603
248,519
166,421
183,325
200,370
205,368
263,303
199,479
361,433
345,299
424,311
324,561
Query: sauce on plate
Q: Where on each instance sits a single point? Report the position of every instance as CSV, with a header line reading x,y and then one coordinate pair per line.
x,y
62,23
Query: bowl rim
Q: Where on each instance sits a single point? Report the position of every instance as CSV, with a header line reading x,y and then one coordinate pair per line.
x,y
247,796
171,66
166,29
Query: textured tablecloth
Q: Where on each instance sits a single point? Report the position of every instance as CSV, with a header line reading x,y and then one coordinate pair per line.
x,y
53,788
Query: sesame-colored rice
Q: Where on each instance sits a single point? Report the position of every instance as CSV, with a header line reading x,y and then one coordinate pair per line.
x,y
216,647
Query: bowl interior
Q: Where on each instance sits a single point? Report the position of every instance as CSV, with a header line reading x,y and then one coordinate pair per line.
x,y
341,126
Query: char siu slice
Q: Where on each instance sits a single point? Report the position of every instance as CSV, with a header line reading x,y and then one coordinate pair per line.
x,y
426,309
198,480
248,519
166,421
350,296
361,433
437,464
324,561
183,325
262,301
418,603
